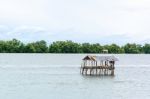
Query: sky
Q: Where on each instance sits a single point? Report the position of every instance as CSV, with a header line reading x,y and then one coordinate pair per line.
x,y
94,21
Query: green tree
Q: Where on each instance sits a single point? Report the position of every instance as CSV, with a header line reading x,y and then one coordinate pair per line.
x,y
2,46
16,46
96,48
29,48
65,47
36,47
55,47
131,48
113,48
86,48
146,48
41,46
12,46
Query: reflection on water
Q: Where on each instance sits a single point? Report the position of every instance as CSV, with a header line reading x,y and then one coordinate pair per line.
x,y
55,76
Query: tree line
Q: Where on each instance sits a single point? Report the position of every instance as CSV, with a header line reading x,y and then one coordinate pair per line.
x,y
16,46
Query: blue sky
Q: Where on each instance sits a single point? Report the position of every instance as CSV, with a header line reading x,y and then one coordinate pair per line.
x,y
101,21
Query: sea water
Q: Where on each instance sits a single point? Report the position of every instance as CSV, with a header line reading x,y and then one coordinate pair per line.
x,y
57,76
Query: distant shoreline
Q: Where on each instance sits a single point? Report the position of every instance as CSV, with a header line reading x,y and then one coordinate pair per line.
x,y
86,53
70,47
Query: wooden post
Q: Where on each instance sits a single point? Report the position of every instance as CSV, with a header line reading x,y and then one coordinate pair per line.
x,y
112,72
82,70
112,69
99,71
86,72
90,71
96,67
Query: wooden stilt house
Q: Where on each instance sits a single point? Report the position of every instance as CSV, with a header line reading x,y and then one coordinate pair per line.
x,y
98,65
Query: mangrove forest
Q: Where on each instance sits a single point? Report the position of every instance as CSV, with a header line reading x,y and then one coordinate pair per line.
x,y
16,46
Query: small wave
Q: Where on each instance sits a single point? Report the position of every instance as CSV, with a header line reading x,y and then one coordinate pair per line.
x,y
119,81
133,65
47,67
38,66
123,81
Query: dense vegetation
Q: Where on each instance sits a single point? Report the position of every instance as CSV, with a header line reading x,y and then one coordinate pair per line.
x,y
16,46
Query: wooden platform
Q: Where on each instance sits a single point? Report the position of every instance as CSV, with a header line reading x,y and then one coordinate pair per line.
x,y
97,70
98,65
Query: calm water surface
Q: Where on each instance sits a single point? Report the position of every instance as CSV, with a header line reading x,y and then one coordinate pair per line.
x,y
56,76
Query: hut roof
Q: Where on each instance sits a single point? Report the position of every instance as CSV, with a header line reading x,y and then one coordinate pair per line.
x,y
88,57
100,58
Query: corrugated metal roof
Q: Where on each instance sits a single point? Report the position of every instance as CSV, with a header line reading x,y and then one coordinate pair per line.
x,y
100,58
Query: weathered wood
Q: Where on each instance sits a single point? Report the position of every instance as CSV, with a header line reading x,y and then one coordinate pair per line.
x,y
94,70
93,65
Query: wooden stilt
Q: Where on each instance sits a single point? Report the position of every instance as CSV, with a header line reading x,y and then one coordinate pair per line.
x,y
96,68
94,65
112,72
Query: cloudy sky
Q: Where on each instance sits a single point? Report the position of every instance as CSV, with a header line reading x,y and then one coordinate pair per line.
x,y
102,21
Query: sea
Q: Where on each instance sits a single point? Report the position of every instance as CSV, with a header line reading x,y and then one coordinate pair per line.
x,y
57,76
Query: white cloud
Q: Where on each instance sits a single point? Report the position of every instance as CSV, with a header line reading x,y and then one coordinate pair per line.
x,y
26,33
78,20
